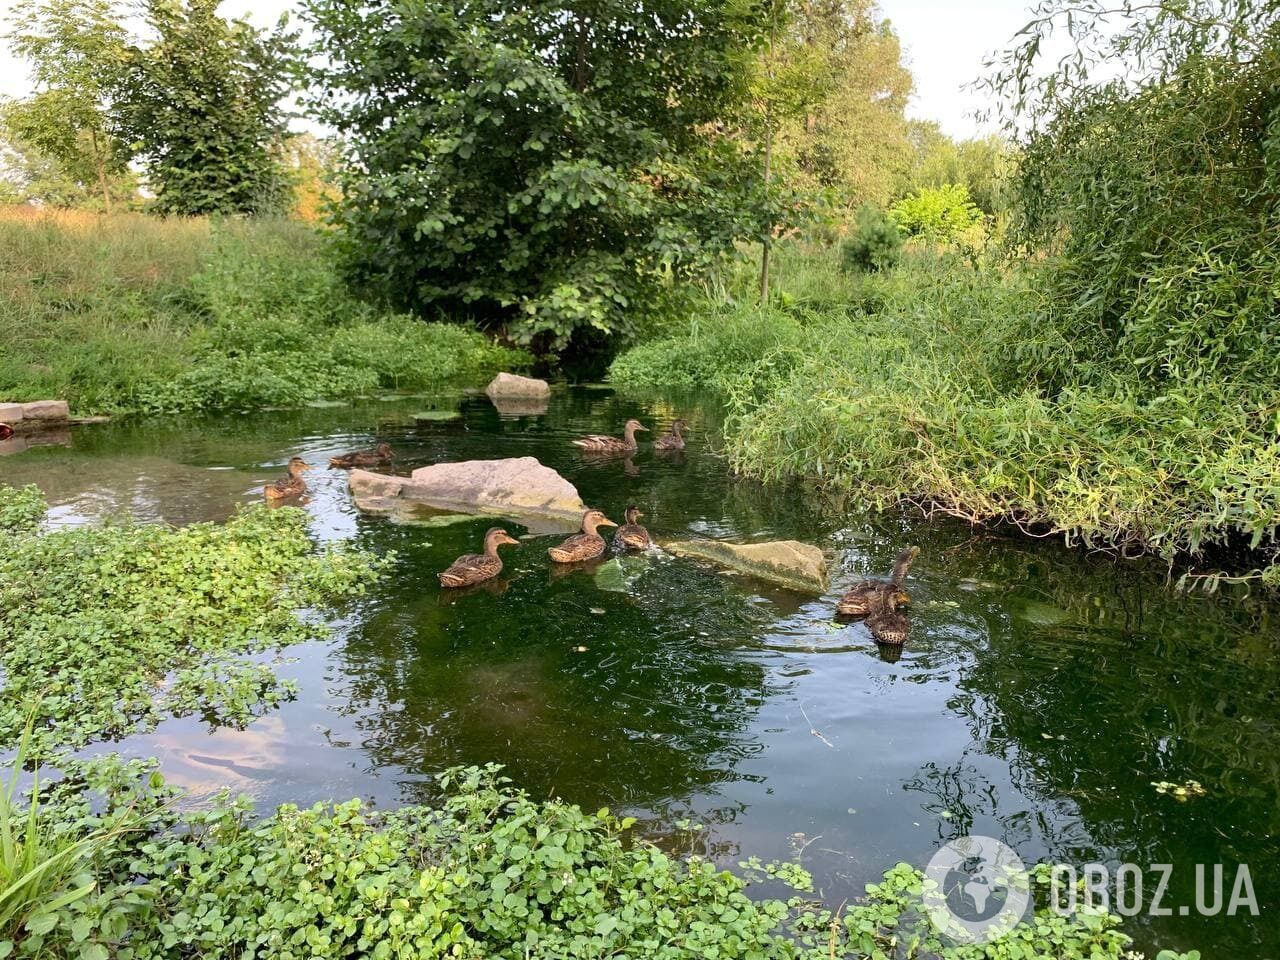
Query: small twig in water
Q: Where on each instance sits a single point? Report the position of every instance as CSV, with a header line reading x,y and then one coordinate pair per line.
x,y
814,730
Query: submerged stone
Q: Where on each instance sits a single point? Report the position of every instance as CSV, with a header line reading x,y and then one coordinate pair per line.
x,y
517,487
428,416
797,566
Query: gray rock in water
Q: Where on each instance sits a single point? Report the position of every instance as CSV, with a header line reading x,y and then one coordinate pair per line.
x,y
46,410
512,385
519,487
795,565
10,412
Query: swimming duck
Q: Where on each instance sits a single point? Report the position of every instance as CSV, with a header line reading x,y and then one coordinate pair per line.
x,y
600,443
290,487
631,534
586,545
477,567
856,601
6,431
674,439
364,458
888,626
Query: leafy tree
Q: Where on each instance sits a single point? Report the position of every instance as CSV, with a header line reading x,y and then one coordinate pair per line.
x,y
552,166
854,140
78,56
875,245
984,165
940,214
1150,188
204,110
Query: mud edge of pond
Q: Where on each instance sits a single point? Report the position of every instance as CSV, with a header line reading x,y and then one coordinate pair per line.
x,y
518,487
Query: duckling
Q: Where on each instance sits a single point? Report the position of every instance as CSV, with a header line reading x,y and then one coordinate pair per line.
x,y
856,601
364,458
674,440
887,625
586,545
600,443
632,535
290,487
471,568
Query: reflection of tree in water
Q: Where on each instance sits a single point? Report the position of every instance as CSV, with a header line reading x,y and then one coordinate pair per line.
x,y
1092,685
657,705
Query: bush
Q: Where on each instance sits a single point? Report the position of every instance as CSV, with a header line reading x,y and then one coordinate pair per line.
x,y
937,214
876,245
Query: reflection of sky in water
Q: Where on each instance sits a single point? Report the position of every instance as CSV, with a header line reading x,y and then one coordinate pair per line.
x,y
1039,696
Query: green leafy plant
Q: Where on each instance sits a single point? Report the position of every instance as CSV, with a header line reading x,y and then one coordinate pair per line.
x,y
937,214
876,244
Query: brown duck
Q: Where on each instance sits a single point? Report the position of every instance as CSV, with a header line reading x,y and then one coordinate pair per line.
x,y
586,545
887,624
382,453
471,568
291,486
600,443
631,534
856,601
674,439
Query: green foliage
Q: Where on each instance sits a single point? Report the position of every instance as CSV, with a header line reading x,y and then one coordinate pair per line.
x,y
488,873
128,313
204,110
984,165
876,245
77,50
529,168
92,620
937,214
907,385
22,510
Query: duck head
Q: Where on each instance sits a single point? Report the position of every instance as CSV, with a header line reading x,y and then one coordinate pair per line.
x,y
594,518
497,537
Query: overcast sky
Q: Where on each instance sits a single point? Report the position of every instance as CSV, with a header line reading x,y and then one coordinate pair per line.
x,y
944,43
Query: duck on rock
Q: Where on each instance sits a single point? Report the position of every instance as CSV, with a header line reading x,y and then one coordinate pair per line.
x,y
631,534
382,453
471,568
674,440
586,545
600,443
291,486
857,600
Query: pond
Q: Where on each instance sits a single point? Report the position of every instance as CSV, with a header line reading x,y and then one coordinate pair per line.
x,y
1042,695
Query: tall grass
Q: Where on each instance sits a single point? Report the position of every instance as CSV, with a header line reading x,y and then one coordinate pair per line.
x,y
912,385
129,312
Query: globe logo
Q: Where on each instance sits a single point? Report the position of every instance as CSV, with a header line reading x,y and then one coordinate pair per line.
x,y
975,889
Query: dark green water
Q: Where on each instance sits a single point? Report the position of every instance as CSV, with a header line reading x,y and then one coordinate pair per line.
x,y
1042,693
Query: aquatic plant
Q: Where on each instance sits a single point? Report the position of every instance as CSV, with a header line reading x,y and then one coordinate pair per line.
x,y
108,630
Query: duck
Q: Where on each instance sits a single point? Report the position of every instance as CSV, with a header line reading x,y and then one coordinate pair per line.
x,y
586,545
856,601
600,443
673,439
472,568
632,535
364,458
292,485
888,626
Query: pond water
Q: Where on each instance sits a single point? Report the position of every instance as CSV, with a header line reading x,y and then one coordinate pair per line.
x,y
1042,694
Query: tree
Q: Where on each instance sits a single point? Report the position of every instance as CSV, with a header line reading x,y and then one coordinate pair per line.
x,y
78,55
205,110
984,165
554,167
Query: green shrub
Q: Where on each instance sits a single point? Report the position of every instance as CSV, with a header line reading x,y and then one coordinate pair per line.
x,y
877,244
937,214
92,620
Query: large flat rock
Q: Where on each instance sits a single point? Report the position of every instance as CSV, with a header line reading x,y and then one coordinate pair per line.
x,y
10,413
795,565
513,385
518,487
46,410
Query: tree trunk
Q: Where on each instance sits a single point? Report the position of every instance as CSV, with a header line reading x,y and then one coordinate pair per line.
x,y
768,233
100,166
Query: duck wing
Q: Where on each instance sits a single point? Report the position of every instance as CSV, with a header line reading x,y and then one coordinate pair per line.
x,y
470,568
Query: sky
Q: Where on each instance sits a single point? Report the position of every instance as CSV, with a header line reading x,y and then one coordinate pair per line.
x,y
944,43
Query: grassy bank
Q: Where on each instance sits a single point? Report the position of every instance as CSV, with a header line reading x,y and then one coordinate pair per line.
x,y
924,384
132,313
